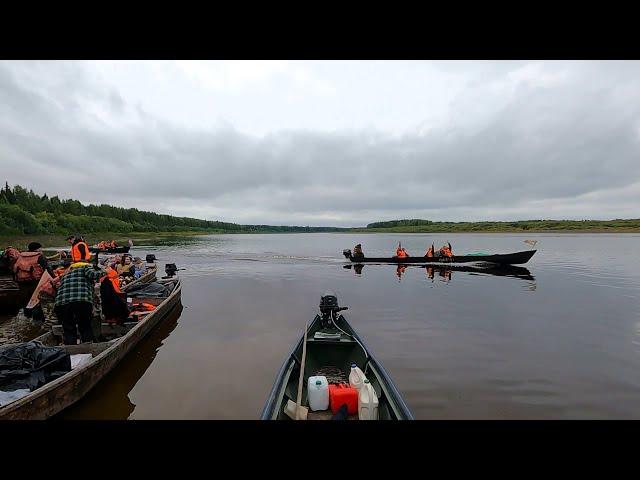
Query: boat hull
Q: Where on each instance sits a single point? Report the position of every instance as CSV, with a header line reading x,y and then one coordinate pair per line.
x,y
63,392
392,405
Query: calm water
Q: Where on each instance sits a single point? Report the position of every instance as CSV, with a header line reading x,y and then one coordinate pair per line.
x,y
559,341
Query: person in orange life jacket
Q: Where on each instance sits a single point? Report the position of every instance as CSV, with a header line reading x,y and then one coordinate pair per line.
x,y
29,266
401,252
446,250
28,269
114,306
430,251
79,249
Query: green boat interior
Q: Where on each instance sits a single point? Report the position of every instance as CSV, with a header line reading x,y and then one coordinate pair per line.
x,y
332,347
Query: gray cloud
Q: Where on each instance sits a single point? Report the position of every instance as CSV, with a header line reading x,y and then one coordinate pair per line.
x,y
552,140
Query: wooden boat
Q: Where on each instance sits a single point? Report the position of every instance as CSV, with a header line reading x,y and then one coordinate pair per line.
x,y
329,354
124,249
502,259
57,395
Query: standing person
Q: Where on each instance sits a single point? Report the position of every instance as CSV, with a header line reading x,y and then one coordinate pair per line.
x,y
48,297
28,269
30,265
114,305
79,249
74,302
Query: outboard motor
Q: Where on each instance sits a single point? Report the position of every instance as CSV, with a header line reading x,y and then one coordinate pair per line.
x,y
170,269
329,309
151,258
347,252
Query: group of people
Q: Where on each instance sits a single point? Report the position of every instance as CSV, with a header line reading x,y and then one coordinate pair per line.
x,y
445,251
67,295
107,245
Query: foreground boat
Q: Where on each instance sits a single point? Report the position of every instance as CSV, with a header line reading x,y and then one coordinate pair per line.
x,y
501,259
59,394
332,355
110,250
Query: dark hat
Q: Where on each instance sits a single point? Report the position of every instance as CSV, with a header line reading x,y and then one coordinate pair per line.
x,y
33,246
71,237
358,245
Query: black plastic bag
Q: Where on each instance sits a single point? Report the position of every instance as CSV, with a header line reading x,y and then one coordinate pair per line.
x,y
31,365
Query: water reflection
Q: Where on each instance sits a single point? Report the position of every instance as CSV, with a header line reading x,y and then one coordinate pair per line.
x,y
109,399
444,272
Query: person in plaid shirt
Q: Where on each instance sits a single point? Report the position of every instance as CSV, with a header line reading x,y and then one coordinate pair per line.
x,y
74,302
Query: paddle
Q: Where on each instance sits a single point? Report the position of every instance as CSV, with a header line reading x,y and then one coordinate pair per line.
x,y
301,379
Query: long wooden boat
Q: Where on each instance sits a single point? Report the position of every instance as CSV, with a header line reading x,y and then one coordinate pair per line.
x,y
329,354
502,259
59,394
124,249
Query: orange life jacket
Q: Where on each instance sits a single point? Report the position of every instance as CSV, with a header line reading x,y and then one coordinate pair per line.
x,y
58,272
430,252
143,307
446,252
112,276
26,267
76,256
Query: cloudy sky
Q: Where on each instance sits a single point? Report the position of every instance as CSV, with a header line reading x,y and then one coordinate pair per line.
x,y
339,143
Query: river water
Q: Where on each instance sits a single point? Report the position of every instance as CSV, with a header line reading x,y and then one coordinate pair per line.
x,y
557,340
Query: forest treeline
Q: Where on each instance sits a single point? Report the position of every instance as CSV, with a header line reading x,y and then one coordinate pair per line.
x,y
24,212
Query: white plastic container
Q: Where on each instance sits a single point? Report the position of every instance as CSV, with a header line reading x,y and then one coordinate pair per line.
x,y
318,393
356,377
367,402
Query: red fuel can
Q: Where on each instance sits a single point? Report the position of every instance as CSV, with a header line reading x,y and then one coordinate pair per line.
x,y
340,394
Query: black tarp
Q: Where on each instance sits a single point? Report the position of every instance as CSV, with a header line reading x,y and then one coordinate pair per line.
x,y
153,289
31,365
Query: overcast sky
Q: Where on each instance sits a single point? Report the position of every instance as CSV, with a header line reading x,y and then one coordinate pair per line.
x,y
341,143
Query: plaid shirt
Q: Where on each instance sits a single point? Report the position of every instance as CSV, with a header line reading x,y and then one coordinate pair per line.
x,y
77,285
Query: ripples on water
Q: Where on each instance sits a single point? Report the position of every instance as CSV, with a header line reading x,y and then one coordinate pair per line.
x,y
557,339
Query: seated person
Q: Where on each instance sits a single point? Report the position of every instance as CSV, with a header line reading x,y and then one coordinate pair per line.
x,y
357,251
139,268
446,251
401,252
430,251
125,265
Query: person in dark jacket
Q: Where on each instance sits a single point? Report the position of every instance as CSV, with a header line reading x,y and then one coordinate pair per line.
x,y
114,306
